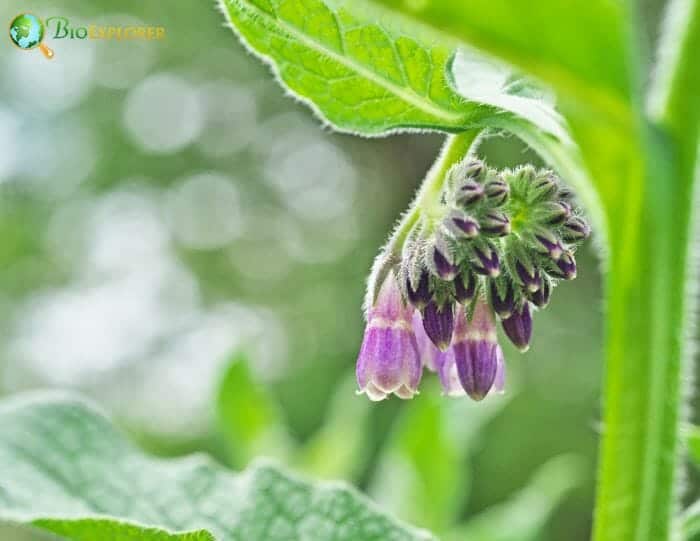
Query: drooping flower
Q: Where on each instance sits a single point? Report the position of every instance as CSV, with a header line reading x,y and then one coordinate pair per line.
x,y
495,245
388,362
476,350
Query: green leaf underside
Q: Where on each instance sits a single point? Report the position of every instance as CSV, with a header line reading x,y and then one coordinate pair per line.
x,y
69,471
361,72
485,80
578,47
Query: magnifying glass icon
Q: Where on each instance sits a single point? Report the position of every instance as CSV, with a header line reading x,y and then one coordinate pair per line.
x,y
27,32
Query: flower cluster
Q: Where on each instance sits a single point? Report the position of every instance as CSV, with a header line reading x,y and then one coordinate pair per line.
x,y
494,248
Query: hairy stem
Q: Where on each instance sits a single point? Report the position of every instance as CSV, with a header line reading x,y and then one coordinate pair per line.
x,y
456,147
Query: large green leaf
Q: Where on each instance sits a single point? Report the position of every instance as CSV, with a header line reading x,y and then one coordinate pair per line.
x,y
67,470
370,73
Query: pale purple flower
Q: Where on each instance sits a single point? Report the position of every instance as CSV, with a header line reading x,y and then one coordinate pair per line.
x,y
427,352
388,362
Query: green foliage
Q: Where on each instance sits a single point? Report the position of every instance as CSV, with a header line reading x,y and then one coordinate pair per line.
x,y
248,417
369,73
692,439
422,471
522,518
545,39
338,450
69,471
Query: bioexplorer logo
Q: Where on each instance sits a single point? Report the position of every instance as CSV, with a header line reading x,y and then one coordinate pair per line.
x,y
27,32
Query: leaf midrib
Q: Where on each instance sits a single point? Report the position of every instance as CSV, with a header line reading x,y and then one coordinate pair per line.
x,y
404,93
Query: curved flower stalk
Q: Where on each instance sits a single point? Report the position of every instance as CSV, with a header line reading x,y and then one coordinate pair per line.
x,y
491,247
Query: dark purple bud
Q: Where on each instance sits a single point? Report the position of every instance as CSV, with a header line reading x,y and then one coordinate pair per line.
x,y
540,298
485,261
442,259
420,296
465,287
518,327
438,322
461,225
497,191
496,223
503,304
548,243
530,279
565,267
575,229
388,361
444,269
476,351
469,193
555,212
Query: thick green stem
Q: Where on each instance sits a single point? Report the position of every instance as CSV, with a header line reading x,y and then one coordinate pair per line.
x,y
650,298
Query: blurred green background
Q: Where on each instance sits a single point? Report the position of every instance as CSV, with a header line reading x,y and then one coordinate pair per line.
x,y
165,211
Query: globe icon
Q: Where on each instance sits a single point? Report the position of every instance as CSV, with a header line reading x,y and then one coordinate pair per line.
x,y
27,32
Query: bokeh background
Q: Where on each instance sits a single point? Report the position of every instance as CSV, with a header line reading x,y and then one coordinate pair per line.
x,y
166,212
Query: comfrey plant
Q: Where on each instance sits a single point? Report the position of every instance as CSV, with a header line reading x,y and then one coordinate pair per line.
x,y
493,246
624,135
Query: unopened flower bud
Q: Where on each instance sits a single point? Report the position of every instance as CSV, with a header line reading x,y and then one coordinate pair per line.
x,y
529,276
476,351
518,327
540,298
420,296
566,194
548,243
465,287
442,262
497,191
565,267
438,322
502,297
468,193
461,225
575,229
554,212
471,169
495,223
543,186
388,361
485,260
